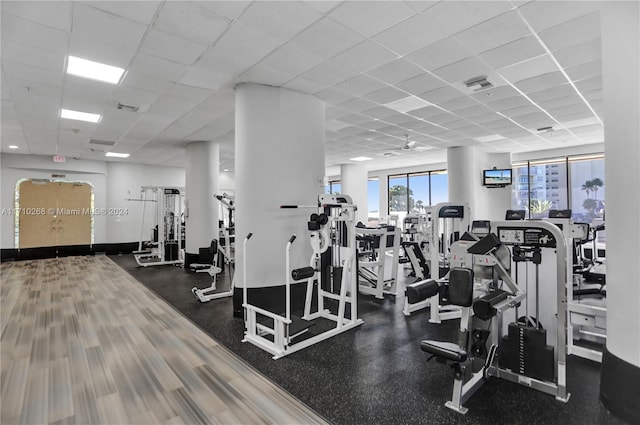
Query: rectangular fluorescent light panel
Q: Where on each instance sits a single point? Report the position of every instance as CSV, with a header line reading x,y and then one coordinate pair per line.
x,y
117,154
80,116
407,104
360,158
94,70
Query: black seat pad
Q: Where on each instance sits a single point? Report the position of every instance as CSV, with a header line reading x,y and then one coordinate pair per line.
x,y
444,350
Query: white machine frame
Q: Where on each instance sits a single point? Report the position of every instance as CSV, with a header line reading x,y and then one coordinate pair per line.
x,y
374,270
166,200
227,202
208,294
276,339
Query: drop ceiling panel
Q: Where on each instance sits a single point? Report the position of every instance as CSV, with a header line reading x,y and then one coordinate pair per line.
x,y
579,54
552,93
333,95
18,71
494,94
101,28
439,54
201,78
463,70
528,69
386,95
396,71
541,82
171,47
363,57
456,16
85,93
35,35
292,59
31,56
280,19
158,68
458,103
371,17
585,70
361,85
508,103
379,112
143,82
326,38
494,32
572,33
262,74
26,88
440,95
410,34
420,83
52,14
542,15
513,52
189,20
139,11
594,83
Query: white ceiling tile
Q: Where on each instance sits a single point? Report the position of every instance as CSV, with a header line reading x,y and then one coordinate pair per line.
x,y
202,78
527,69
474,111
541,82
420,83
171,47
379,112
52,14
144,82
190,93
357,105
440,95
410,34
513,52
292,60
507,103
80,91
396,71
101,28
171,107
580,53
327,73
561,101
419,6
458,103
495,93
28,73
158,67
426,113
190,21
364,56
439,54
594,83
32,34
280,19
265,75
138,11
585,70
494,32
385,95
546,14
572,33
463,70
31,56
231,9
361,85
371,17
326,38
333,95
306,85
455,16
520,111
553,93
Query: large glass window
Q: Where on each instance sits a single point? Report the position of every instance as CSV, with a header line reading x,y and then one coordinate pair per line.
x,y
412,193
373,198
333,187
587,189
439,187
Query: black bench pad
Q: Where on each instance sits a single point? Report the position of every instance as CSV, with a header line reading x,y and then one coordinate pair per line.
x,y
444,350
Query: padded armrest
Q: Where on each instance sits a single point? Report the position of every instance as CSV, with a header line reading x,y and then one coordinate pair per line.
x,y
444,350
421,290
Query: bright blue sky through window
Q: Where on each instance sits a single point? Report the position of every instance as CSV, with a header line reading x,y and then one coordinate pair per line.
x,y
373,194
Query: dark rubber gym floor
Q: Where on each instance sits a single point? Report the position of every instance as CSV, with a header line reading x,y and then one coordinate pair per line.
x,y
376,373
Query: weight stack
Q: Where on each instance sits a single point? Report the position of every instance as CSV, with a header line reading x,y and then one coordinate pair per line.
x,y
524,350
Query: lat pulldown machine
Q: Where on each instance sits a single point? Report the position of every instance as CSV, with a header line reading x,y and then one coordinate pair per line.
x,y
331,275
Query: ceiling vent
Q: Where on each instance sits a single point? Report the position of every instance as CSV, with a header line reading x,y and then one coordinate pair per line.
x,y
128,108
101,142
478,83
544,129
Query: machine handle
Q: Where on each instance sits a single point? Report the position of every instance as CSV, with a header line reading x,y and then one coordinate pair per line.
x,y
292,238
249,235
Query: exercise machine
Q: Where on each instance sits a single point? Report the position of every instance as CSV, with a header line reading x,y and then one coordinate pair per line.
x,y
331,278
167,234
378,246
521,351
227,229
208,262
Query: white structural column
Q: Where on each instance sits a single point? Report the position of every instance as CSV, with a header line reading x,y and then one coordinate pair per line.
x,y
464,169
354,183
620,381
279,160
201,183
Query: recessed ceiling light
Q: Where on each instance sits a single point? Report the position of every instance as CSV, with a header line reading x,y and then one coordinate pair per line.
x,y
360,158
94,70
226,169
117,154
80,116
13,147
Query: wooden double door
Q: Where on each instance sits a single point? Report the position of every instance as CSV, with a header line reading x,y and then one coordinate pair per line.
x,y
54,213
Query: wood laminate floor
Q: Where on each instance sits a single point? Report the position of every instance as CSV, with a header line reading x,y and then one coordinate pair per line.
x,y
83,342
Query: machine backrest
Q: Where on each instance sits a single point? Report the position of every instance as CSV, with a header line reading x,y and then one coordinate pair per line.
x,y
461,286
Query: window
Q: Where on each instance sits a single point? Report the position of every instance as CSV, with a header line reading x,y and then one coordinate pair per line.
x,y
333,187
587,189
373,198
412,193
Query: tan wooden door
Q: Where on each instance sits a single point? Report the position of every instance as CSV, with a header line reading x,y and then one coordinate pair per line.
x,y
54,213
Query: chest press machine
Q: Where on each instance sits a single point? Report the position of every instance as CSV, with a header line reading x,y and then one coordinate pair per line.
x,y
521,352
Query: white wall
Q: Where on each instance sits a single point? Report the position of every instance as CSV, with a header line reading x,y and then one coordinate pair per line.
x,y
112,182
124,181
15,167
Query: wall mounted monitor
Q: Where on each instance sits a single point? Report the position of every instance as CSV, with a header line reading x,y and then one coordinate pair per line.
x,y
496,177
